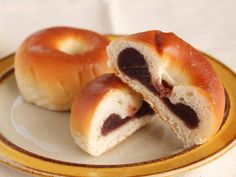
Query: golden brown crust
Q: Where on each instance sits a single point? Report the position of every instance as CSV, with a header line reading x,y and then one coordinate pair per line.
x,y
40,61
86,101
189,61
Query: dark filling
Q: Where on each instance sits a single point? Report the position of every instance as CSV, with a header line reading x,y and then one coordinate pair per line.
x,y
114,121
144,110
184,112
133,64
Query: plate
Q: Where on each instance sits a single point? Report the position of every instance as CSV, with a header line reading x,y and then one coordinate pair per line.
x,y
38,141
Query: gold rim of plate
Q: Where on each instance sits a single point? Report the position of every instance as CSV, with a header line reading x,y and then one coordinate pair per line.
x,y
224,140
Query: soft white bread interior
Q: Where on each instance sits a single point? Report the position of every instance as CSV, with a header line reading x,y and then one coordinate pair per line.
x,y
175,79
100,100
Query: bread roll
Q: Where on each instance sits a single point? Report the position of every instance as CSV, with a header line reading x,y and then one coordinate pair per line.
x,y
175,79
106,112
52,65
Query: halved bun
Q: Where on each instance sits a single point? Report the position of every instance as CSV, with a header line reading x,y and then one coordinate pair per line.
x,y
175,79
106,112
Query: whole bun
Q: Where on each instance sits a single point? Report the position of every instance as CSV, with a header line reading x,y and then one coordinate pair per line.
x,y
175,79
53,64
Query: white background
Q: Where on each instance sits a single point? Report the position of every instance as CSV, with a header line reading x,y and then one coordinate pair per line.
x,y
209,25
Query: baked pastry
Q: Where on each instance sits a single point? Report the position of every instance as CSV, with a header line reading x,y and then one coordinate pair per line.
x,y
105,112
53,64
175,79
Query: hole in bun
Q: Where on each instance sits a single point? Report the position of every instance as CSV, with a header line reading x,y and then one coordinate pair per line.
x,y
73,46
114,121
132,63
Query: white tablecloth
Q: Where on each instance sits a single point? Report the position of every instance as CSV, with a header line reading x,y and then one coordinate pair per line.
x,y
209,25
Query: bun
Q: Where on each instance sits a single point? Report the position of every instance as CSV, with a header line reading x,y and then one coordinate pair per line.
x,y
105,112
53,64
175,79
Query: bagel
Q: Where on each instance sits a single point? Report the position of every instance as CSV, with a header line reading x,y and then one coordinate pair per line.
x,y
105,112
175,79
53,64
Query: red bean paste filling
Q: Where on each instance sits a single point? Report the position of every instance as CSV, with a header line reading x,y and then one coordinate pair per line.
x,y
114,121
132,63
